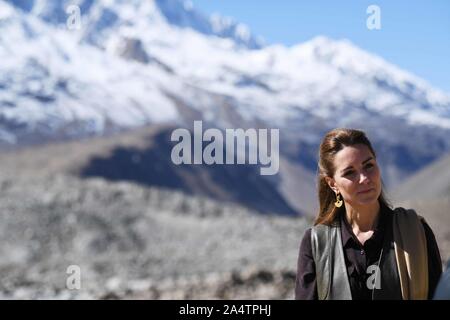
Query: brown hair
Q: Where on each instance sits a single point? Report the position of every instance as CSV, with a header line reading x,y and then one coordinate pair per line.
x,y
332,143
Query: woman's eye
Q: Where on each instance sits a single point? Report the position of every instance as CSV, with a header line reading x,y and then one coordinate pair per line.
x,y
347,173
369,165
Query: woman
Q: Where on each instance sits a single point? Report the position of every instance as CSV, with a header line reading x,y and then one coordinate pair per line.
x,y
360,248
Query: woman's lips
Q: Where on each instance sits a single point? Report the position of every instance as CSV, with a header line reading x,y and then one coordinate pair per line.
x,y
365,191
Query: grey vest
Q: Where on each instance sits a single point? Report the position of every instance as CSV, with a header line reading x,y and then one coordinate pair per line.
x,y
331,271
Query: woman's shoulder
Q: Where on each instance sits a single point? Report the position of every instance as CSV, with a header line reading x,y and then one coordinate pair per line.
x,y
316,228
307,235
409,214
305,243
406,213
317,232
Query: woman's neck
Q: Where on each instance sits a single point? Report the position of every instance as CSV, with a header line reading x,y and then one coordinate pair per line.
x,y
362,218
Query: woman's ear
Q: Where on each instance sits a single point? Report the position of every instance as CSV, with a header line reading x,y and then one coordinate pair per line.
x,y
332,184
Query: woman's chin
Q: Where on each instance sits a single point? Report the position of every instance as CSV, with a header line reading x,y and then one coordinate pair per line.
x,y
367,200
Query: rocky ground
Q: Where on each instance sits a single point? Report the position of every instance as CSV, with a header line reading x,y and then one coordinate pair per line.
x,y
133,242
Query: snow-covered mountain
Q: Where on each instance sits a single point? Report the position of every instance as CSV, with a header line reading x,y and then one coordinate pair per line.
x,y
101,15
137,62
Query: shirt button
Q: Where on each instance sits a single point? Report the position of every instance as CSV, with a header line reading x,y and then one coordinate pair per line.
x,y
362,251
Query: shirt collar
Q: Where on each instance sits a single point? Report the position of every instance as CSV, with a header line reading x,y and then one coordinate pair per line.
x,y
347,233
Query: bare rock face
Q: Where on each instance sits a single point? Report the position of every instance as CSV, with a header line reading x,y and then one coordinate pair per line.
x,y
132,49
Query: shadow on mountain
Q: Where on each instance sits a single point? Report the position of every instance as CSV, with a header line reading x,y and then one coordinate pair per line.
x,y
152,166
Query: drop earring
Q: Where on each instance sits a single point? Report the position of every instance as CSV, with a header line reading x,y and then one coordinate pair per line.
x,y
339,201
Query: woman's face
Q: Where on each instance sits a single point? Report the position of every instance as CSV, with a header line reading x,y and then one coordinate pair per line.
x,y
357,177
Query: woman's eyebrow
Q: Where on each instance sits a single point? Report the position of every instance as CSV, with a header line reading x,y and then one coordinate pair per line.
x,y
367,160
349,167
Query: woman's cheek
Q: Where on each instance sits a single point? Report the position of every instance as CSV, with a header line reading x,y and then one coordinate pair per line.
x,y
348,186
377,173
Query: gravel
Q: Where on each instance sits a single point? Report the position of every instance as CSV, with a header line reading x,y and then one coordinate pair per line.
x,y
135,242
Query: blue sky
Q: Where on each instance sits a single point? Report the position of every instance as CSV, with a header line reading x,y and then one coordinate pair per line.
x,y
415,35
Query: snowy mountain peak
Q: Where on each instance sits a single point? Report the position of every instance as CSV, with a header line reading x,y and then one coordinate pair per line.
x,y
348,59
183,14
177,13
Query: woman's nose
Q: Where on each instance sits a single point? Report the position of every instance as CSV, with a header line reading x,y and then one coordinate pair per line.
x,y
363,178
